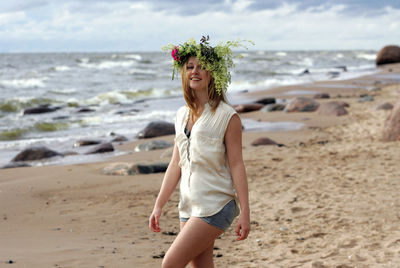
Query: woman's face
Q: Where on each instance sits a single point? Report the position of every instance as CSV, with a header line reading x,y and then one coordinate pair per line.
x,y
198,77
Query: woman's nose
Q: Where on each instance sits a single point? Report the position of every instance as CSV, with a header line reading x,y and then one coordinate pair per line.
x,y
196,69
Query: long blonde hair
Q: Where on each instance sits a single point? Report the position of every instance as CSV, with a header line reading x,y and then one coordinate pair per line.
x,y
213,97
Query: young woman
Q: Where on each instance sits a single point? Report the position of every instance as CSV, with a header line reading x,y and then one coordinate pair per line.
x,y
207,158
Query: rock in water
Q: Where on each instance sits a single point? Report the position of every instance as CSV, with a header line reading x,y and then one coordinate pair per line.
x,y
46,108
102,148
388,54
302,104
156,129
35,153
331,108
266,101
391,130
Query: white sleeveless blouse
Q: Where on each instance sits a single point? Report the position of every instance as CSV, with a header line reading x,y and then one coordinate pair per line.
x,y
206,184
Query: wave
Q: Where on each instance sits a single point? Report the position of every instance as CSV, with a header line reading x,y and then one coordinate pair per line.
x,y
141,71
134,56
65,91
24,83
61,68
366,56
107,64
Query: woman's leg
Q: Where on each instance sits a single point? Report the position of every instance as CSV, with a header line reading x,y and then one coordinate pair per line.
x,y
204,259
196,237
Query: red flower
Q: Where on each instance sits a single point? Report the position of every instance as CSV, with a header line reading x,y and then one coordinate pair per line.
x,y
175,53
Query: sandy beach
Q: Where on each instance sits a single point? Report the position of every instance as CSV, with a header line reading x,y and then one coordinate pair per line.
x,y
328,198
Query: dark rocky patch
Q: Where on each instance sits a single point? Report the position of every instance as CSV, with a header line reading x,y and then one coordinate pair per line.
x,y
35,153
156,129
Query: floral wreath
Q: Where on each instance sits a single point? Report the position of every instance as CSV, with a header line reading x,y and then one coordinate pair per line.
x,y
217,60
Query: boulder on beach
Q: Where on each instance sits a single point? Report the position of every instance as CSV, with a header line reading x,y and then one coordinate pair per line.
x,y
102,148
264,141
391,130
388,54
35,153
125,169
266,101
384,106
273,107
301,104
80,143
321,96
332,108
45,108
152,145
156,129
250,107
119,138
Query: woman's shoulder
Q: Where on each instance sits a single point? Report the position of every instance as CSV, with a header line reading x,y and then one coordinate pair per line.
x,y
226,108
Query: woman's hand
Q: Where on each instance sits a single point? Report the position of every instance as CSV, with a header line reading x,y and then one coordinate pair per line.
x,y
154,220
243,226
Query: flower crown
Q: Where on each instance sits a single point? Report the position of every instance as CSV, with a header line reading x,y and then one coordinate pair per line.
x,y
217,60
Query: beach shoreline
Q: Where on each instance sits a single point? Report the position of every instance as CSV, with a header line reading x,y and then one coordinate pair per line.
x,y
327,198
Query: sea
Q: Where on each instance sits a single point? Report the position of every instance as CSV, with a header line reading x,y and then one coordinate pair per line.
x,y
123,92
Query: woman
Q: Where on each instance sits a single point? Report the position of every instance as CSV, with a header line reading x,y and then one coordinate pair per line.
x,y
207,158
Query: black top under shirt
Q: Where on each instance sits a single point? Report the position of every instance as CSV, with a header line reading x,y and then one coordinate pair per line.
x,y
187,132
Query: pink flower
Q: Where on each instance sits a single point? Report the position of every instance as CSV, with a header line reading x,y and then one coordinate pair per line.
x,y
175,54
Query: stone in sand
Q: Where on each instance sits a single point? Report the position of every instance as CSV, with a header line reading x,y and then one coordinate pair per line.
x,y
301,104
391,130
156,129
153,145
331,108
120,169
35,153
388,54
273,107
250,107
16,165
366,98
263,141
321,96
266,101
119,138
102,148
384,106
149,168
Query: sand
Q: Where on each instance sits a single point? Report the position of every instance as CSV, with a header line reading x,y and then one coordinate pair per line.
x,y
329,198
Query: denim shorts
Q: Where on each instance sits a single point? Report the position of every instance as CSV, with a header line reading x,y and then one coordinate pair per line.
x,y
223,219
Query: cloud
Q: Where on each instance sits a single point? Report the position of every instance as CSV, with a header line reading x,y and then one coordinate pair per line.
x,y
93,25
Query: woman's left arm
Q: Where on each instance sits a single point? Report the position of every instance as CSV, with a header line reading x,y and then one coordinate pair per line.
x,y
233,143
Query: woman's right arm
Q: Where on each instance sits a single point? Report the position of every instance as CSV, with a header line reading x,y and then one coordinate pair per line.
x,y
171,179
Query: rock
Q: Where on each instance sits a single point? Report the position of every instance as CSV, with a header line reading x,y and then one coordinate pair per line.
x,y
61,117
384,106
343,67
102,148
69,153
85,110
152,145
366,98
156,129
35,153
331,108
45,108
321,96
264,141
388,54
148,169
306,71
301,104
119,138
266,101
273,107
81,143
343,103
16,165
120,169
124,169
391,130
333,74
250,107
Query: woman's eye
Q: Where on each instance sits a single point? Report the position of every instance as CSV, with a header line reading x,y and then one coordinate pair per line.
x,y
189,67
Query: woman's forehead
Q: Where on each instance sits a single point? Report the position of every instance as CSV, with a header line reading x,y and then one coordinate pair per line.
x,y
193,60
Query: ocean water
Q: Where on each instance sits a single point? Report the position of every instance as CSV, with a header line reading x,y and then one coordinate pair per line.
x,y
126,91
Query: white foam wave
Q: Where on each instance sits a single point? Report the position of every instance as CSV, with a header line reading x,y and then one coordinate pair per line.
x,y
141,71
111,97
281,54
65,91
367,56
24,83
62,68
107,64
133,56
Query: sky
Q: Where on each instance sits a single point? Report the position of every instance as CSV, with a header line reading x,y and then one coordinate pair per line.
x,y
134,25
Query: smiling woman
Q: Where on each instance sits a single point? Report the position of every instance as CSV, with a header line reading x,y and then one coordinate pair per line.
x,y
207,158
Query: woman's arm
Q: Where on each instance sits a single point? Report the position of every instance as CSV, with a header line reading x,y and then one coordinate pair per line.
x,y
233,143
171,179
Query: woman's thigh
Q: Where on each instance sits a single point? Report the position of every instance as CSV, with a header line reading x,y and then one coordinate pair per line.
x,y
195,237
